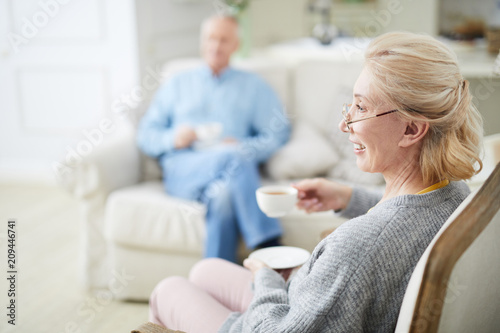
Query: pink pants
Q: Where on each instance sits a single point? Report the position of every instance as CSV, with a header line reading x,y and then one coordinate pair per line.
x,y
203,302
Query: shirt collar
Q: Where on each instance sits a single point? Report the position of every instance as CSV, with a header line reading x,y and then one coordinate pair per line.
x,y
226,72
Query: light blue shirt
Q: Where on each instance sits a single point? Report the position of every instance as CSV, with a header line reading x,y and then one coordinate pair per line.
x,y
242,102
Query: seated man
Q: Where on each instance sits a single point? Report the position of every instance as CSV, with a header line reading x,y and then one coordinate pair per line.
x,y
224,176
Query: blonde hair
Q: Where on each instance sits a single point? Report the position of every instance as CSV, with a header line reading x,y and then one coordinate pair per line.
x,y
420,76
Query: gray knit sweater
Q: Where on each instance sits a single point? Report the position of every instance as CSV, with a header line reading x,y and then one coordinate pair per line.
x,y
356,278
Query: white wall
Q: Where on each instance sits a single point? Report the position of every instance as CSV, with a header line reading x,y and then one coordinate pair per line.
x,y
166,29
80,66
280,20
415,16
63,64
273,21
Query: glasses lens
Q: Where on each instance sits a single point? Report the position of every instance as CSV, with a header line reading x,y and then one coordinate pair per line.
x,y
345,114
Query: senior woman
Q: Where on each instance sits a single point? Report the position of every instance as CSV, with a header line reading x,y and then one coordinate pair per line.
x,y
411,119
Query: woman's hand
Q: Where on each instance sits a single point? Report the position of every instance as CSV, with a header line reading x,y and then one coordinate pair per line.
x,y
319,194
255,265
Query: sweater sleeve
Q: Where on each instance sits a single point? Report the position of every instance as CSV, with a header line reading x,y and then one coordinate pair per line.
x,y
270,310
322,281
361,202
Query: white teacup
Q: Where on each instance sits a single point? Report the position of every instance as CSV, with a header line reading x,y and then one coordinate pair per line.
x,y
208,132
276,200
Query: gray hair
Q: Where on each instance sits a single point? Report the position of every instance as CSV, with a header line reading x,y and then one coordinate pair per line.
x,y
205,23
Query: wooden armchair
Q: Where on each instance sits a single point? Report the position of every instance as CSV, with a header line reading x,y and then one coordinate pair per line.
x,y
456,284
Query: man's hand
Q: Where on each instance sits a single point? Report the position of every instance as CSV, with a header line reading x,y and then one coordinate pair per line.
x,y
229,141
184,137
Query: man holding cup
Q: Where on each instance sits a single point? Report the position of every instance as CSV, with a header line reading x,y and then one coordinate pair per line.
x,y
210,128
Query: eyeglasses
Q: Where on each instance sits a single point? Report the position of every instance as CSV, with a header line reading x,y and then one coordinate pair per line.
x,y
345,113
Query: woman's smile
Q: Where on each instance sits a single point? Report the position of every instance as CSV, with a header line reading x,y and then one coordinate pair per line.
x,y
359,148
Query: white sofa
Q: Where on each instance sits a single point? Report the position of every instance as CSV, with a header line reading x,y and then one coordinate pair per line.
x,y
131,228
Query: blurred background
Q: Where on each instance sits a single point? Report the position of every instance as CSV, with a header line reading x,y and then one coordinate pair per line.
x,y
69,67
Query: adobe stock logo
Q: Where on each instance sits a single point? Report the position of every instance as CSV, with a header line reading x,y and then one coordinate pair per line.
x,y
39,20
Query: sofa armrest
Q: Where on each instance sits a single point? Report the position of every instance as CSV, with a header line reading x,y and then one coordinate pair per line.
x,y
113,164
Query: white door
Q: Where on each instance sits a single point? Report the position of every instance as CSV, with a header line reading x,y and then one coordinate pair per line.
x,y
62,64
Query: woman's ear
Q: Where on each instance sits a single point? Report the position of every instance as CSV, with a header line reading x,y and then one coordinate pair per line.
x,y
414,133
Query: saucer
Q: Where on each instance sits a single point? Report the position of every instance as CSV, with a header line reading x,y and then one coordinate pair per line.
x,y
281,257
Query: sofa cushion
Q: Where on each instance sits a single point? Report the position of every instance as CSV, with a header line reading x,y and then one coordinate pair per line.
x,y
307,154
320,90
144,216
